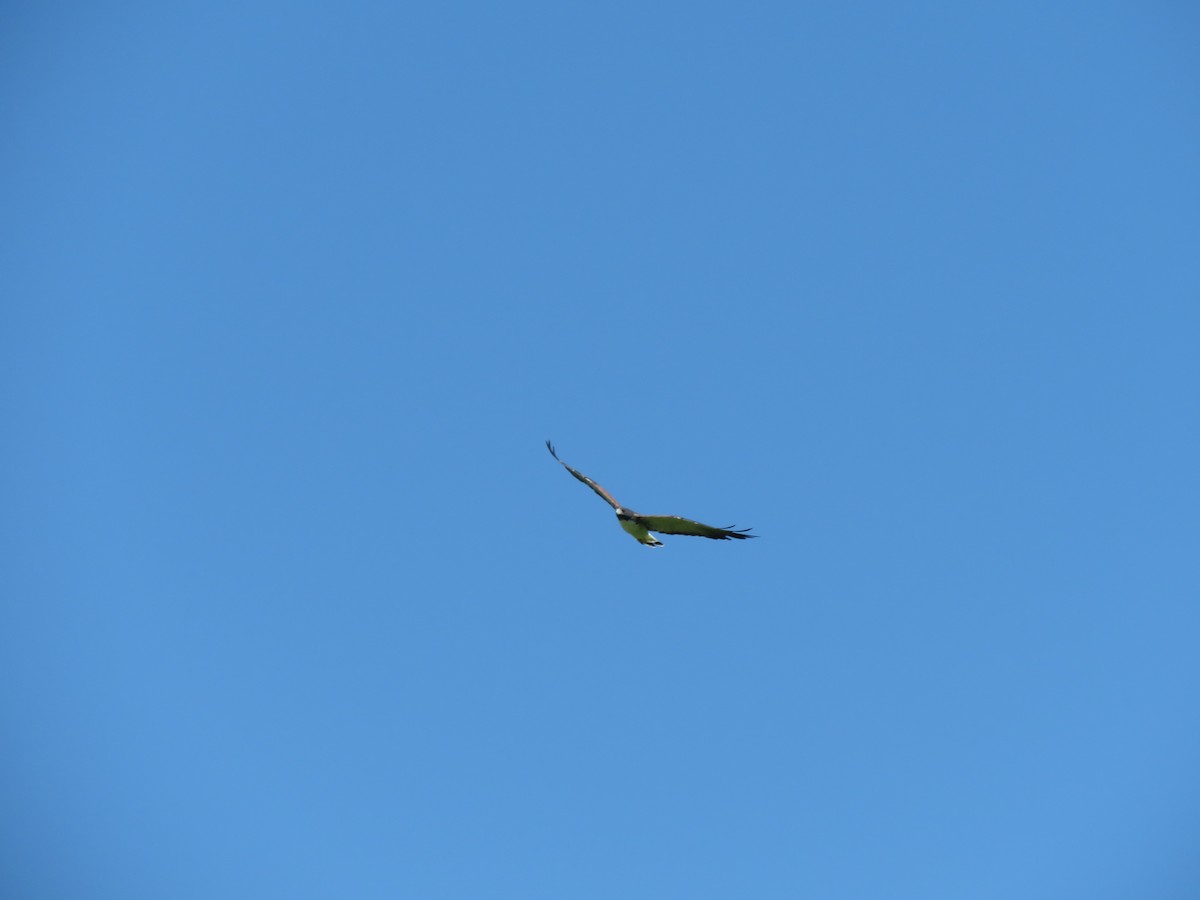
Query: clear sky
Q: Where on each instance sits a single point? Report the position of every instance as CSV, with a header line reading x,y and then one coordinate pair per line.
x,y
296,604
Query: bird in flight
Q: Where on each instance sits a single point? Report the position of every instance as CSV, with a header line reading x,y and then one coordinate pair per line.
x,y
640,526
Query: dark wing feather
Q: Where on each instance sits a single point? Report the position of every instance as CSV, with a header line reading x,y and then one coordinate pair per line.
x,y
680,525
608,498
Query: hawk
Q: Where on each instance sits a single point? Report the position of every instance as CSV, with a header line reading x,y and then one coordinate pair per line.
x,y
640,526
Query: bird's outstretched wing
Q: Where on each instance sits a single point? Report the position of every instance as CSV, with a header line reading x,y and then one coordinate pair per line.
x,y
608,498
680,525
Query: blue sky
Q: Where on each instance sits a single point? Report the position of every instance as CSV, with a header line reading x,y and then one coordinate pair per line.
x,y
297,604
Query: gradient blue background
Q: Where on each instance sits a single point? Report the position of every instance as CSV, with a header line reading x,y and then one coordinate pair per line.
x,y
297,605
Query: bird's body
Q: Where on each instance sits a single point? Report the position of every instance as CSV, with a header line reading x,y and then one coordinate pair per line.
x,y
639,526
637,529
